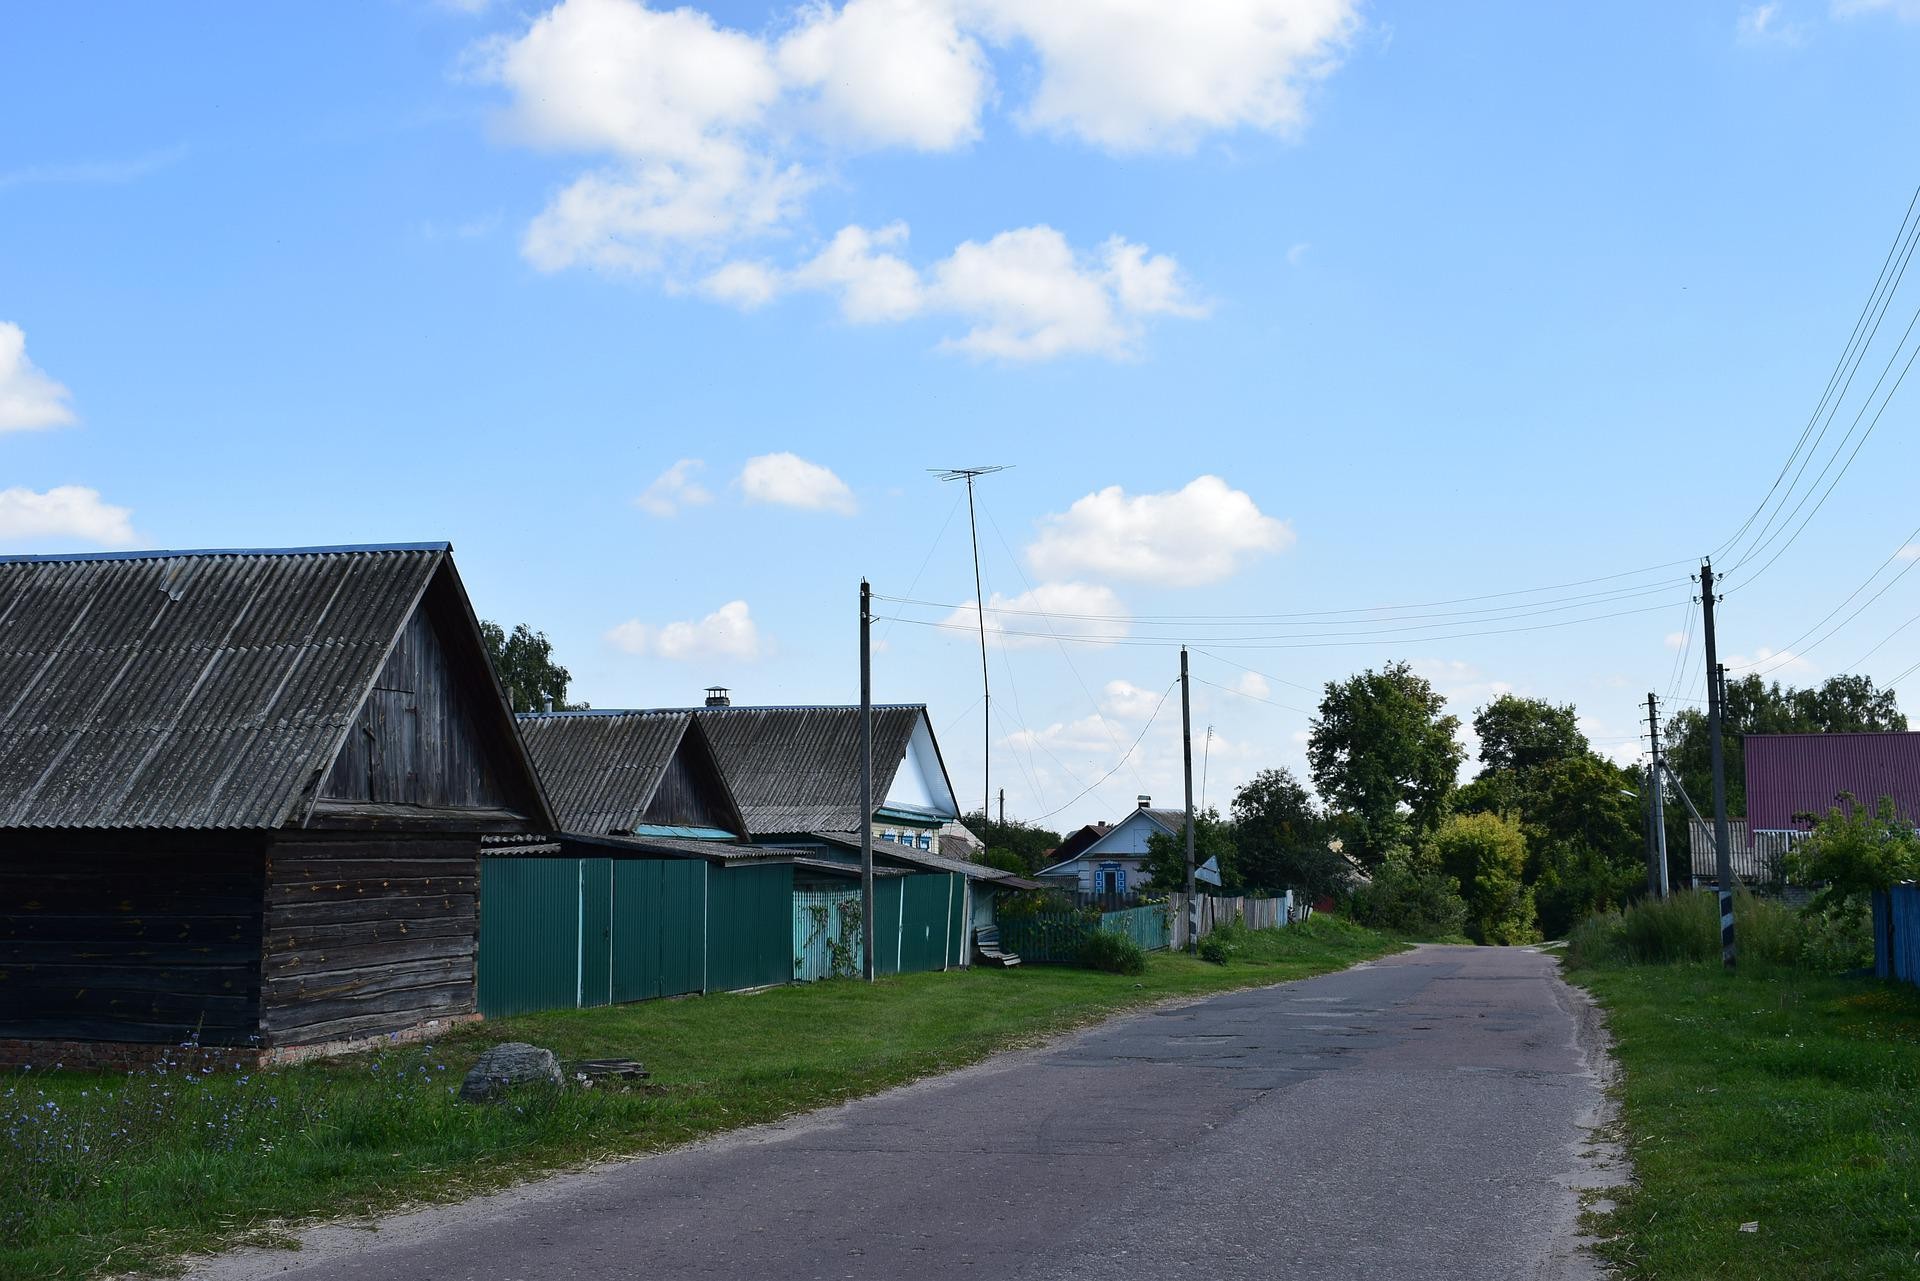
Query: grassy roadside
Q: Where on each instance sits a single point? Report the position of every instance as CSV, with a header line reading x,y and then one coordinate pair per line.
x,y
1778,1097
125,1173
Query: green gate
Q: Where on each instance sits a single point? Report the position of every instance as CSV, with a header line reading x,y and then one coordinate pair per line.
x,y
659,936
749,927
529,934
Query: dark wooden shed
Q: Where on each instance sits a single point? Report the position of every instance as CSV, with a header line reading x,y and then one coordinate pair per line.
x,y
241,798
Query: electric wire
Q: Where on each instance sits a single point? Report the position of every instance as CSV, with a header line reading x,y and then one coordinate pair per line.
x,y
1130,751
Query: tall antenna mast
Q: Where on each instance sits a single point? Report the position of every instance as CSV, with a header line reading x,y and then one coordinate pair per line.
x,y
968,474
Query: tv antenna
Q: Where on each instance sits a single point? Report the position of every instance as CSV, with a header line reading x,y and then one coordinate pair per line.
x,y
970,474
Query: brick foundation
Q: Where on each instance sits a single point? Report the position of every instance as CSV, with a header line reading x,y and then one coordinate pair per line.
x,y
135,1056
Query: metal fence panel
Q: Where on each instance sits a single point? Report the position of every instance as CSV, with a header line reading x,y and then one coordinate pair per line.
x,y
1896,933
820,918
749,927
529,935
926,917
596,931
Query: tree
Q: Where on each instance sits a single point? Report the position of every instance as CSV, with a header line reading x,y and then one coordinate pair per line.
x,y
1005,860
1030,844
1166,863
1384,758
524,663
1487,855
1280,838
1519,735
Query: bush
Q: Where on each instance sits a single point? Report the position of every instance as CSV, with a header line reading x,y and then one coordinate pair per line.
x,y
1836,941
1408,898
1113,952
1487,855
1216,948
1685,930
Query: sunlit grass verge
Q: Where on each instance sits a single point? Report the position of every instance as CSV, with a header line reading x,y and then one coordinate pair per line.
x,y
1771,1096
120,1173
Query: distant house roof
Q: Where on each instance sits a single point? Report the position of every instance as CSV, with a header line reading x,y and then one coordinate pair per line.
x,y
203,689
1173,822
1789,774
797,769
1079,840
925,860
602,769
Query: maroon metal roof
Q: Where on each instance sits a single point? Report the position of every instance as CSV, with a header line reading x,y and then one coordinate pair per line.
x,y
1789,774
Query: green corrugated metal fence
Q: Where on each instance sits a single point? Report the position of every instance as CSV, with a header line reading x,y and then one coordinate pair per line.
x,y
749,925
557,933
919,923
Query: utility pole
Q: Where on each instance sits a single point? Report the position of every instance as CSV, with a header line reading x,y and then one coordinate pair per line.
x,y
1646,825
1658,884
968,474
1722,846
1003,807
1186,746
866,782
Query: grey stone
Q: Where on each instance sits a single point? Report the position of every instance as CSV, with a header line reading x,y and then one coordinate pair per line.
x,y
504,1066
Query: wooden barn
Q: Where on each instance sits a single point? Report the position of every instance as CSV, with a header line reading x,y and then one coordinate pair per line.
x,y
242,796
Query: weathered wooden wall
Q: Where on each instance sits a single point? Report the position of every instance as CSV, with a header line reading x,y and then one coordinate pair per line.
x,y
130,936
688,794
415,741
367,934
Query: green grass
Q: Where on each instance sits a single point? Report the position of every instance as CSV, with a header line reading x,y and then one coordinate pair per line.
x,y
124,1173
1779,1097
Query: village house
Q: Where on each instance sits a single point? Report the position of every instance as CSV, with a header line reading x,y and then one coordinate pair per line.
x,y
242,799
1110,863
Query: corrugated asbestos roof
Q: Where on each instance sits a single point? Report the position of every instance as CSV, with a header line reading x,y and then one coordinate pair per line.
x,y
1790,774
797,769
601,768
189,689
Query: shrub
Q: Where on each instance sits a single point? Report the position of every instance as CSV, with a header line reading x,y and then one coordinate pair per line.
x,y
1005,860
1487,855
1408,898
1601,939
1685,930
1835,941
1216,948
1855,851
1113,952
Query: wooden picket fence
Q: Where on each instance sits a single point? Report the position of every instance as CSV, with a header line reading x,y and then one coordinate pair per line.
x,y
1217,910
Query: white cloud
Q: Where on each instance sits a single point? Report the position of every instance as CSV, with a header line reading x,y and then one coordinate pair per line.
x,y
885,72
1768,662
64,512
873,286
1197,534
104,172
1910,552
28,398
1128,702
728,632
1137,74
788,480
703,138
1674,640
1253,685
1763,24
747,285
673,489
1033,618
1027,293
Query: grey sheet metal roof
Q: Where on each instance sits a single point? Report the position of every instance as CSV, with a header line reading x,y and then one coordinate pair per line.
x,y
797,769
927,860
601,768
189,689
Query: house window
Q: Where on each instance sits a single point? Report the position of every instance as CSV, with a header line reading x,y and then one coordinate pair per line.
x,y
926,841
889,836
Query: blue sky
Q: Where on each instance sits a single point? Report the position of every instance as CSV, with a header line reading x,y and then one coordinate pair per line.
x,y
1272,307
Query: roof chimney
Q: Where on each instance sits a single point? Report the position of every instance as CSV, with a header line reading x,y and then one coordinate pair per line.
x,y
1145,801
717,696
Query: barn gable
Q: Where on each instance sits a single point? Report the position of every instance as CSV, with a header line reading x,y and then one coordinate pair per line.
x,y
630,772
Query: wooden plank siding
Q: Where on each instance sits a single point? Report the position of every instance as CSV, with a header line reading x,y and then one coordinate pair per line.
x,y
130,937
367,934
416,740
690,793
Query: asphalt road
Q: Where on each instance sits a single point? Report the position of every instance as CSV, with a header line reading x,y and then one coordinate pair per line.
x,y
1421,1117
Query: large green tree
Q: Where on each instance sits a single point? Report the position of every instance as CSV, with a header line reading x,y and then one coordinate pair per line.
x,y
523,660
1520,735
1280,837
1384,756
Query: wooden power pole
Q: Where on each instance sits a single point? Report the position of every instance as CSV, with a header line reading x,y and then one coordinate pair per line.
x,y
1722,845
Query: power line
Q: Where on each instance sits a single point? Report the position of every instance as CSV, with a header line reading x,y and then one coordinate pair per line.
x,y
1834,378
1288,642
1878,570
1123,760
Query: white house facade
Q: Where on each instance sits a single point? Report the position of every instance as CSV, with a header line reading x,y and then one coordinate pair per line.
x,y
1112,864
